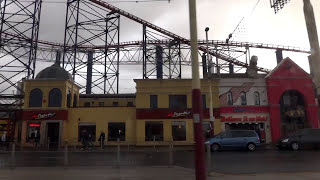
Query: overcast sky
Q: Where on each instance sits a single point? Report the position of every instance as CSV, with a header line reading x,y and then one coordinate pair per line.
x,y
222,16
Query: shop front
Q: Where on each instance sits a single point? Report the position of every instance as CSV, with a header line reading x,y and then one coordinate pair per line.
x,y
247,118
163,126
43,128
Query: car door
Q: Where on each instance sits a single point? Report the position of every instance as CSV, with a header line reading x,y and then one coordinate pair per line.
x,y
226,140
238,139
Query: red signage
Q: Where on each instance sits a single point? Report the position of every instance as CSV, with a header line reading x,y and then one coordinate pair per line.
x,y
171,114
45,115
245,109
244,119
34,125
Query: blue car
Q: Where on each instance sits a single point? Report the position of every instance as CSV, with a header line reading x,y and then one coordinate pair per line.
x,y
235,139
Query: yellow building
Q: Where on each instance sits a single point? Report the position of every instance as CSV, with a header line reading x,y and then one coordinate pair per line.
x,y
164,110
159,113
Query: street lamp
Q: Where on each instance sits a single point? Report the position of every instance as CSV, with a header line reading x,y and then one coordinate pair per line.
x,y
210,90
200,169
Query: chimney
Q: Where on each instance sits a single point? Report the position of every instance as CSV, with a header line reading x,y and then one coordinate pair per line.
x,y
231,66
279,55
89,71
159,61
204,66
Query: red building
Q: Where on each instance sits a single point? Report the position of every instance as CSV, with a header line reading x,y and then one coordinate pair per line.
x,y
291,98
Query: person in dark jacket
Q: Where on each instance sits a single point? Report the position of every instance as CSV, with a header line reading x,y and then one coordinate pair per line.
x,y
101,139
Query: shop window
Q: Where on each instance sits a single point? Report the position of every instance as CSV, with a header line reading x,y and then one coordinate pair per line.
x,y
69,99
204,102
101,104
115,103
153,101
33,132
256,98
55,98
35,99
130,104
179,131
177,101
3,128
75,97
154,131
243,98
229,99
87,131
86,104
116,130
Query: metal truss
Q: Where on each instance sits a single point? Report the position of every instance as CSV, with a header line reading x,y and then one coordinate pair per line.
x,y
87,24
18,51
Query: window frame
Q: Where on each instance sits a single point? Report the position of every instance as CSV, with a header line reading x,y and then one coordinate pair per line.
x,y
184,127
160,136
153,105
231,102
173,102
256,97
243,100
122,136
35,103
53,98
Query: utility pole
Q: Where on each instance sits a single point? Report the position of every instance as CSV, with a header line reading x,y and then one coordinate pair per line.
x,y
200,170
314,59
210,90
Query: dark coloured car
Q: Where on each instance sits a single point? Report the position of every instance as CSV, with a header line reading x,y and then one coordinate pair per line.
x,y
304,138
235,139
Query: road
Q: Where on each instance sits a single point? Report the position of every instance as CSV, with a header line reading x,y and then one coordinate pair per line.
x,y
262,161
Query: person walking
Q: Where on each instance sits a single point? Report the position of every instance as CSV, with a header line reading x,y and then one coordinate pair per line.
x,y
101,139
4,140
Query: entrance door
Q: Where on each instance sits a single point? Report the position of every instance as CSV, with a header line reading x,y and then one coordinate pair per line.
x,y
53,135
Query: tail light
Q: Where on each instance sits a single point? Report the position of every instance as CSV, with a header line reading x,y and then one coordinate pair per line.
x,y
258,139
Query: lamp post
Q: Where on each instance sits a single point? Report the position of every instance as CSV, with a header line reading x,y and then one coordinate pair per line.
x,y
210,90
200,170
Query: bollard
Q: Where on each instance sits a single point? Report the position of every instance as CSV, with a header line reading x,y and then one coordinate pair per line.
x,y
118,151
170,154
208,157
13,155
66,158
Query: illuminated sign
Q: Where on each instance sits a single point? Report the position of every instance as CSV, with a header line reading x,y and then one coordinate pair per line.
x,y
244,119
42,116
34,125
179,114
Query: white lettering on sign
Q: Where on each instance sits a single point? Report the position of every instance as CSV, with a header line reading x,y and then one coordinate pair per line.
x,y
182,114
43,116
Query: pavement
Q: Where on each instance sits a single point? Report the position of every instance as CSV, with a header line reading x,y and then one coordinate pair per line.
x,y
137,173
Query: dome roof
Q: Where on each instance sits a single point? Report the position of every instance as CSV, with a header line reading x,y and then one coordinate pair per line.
x,y
54,72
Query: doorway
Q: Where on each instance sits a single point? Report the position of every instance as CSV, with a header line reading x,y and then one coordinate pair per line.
x,y
292,111
53,135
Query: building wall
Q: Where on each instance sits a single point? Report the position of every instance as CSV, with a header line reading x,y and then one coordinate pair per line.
x,y
247,85
101,117
108,102
163,88
45,86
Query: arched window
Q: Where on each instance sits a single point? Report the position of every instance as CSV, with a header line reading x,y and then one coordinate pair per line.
x,y
75,97
55,97
69,99
256,98
35,98
229,99
243,98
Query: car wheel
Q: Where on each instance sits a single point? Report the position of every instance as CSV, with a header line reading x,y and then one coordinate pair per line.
x,y
251,147
215,147
295,146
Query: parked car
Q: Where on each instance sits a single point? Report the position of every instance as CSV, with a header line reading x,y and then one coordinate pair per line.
x,y
304,138
235,139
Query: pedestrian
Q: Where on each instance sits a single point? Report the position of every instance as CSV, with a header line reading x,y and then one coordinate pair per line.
x,y
4,140
101,139
84,138
37,140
